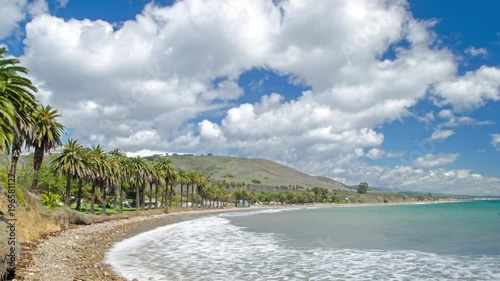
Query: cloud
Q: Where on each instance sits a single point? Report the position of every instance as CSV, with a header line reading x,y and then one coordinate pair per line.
x,y
432,160
427,119
452,120
375,153
474,52
471,90
16,11
62,3
495,141
442,134
406,177
167,80
12,14
145,152
37,7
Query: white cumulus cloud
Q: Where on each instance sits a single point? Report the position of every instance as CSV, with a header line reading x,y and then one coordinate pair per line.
x,y
442,134
474,52
495,141
435,160
472,90
12,13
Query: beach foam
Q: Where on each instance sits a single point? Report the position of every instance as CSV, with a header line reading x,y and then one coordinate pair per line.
x,y
212,248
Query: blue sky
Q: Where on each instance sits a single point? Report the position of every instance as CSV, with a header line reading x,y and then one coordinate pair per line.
x,y
402,95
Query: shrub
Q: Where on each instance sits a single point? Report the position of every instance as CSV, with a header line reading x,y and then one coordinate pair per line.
x,y
228,176
166,210
256,181
20,196
50,200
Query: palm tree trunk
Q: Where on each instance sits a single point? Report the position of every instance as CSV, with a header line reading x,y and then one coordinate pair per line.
x,y
165,195
115,199
16,151
37,163
103,209
192,195
171,195
150,195
156,195
79,196
120,210
143,195
92,198
68,189
137,195
187,195
182,189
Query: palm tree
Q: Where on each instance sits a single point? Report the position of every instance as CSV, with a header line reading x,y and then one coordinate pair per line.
x,y
79,194
123,168
202,191
192,179
16,91
71,163
173,179
7,117
182,179
165,167
201,186
154,178
99,173
138,166
47,136
111,180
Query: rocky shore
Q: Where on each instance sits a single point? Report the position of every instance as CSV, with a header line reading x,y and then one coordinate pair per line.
x,y
78,253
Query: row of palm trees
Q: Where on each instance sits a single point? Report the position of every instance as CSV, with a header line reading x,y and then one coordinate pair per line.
x,y
110,172
24,122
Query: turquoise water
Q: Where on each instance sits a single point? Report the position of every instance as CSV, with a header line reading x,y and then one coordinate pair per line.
x,y
449,241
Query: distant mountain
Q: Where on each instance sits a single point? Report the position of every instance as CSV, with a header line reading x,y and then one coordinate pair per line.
x,y
269,173
387,189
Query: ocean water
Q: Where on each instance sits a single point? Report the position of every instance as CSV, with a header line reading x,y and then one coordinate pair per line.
x,y
446,241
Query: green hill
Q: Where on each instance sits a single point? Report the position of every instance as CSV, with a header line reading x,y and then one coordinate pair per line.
x,y
270,174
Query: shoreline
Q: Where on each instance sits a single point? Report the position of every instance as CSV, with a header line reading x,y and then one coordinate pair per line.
x,y
78,253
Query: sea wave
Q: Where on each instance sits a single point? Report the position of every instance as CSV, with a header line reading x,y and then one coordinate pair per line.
x,y
211,248
257,212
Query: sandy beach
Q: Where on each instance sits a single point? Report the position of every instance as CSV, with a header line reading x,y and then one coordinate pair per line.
x,y
78,253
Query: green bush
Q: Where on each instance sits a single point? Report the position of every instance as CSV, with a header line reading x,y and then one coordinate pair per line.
x,y
166,210
256,181
228,176
51,200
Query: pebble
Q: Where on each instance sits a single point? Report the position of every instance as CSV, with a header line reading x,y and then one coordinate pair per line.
x,y
78,253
